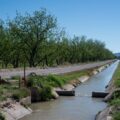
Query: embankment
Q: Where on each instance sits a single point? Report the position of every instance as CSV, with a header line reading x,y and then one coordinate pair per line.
x,y
112,112
20,111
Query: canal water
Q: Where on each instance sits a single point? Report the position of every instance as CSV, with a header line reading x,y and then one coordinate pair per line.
x,y
79,107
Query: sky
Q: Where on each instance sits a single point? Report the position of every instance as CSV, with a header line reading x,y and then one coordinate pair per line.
x,y
97,19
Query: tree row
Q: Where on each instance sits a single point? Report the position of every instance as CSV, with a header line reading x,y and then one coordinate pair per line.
x,y
36,40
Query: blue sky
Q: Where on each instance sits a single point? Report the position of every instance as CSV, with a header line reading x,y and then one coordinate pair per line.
x,y
98,19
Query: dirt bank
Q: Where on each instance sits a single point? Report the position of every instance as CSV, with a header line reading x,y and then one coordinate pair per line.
x,y
110,110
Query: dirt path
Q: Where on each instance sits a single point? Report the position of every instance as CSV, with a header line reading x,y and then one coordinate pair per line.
x,y
6,73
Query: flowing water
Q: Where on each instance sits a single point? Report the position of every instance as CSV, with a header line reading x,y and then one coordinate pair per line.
x,y
79,107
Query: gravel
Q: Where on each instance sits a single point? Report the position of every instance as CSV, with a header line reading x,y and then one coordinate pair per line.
x,y
7,73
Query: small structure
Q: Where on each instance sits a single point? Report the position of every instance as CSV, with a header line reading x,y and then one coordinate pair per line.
x,y
66,93
99,94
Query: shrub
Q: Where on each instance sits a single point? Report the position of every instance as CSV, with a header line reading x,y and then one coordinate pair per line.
x,y
115,102
117,82
45,93
116,116
3,98
2,117
35,81
20,93
16,96
55,81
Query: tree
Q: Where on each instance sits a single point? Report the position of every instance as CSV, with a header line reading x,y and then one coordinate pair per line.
x,y
35,39
35,30
5,45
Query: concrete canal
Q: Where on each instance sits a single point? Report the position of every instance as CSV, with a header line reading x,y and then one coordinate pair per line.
x,y
79,107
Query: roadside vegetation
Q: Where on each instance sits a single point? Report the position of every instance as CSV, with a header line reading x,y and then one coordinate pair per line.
x,y
43,83
55,80
12,91
36,40
2,116
116,99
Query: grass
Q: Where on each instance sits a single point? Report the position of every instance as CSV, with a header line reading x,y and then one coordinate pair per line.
x,y
116,77
2,116
20,93
12,91
5,91
43,83
16,77
74,75
116,116
116,100
54,80
45,93
46,83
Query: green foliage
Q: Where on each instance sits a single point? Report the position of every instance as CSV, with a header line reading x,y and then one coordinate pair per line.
x,y
20,93
117,82
4,90
3,98
16,77
12,91
45,83
73,75
36,39
115,102
116,116
116,77
55,81
45,93
2,117
34,81
41,81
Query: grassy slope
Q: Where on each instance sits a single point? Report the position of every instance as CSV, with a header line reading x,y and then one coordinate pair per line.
x,y
9,90
44,82
56,80
116,100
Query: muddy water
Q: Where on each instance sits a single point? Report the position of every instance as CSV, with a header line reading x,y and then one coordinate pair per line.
x,y
80,107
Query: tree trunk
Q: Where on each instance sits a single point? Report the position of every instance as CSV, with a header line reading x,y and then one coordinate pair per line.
x,y
46,60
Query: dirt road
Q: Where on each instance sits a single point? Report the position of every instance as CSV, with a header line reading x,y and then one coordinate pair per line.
x,y
5,73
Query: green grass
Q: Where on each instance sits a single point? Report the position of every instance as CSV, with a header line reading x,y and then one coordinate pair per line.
x,y
116,100
5,91
73,75
54,80
2,117
116,116
20,93
116,77
16,77
43,83
45,93
8,91
46,83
